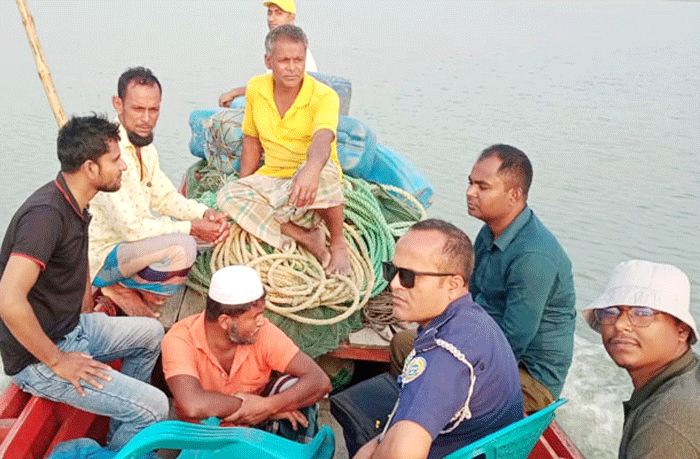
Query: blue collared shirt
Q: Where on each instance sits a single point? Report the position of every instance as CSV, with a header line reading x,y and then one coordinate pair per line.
x,y
523,279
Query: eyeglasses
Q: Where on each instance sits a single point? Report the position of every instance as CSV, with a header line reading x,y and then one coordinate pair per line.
x,y
407,278
639,316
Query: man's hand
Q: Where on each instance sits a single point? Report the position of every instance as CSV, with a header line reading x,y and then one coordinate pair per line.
x,y
226,98
304,186
253,410
367,450
74,366
305,182
294,416
214,227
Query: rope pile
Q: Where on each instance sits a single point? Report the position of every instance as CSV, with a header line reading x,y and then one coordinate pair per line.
x,y
296,284
379,316
294,279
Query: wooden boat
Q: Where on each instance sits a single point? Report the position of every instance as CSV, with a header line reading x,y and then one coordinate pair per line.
x,y
30,427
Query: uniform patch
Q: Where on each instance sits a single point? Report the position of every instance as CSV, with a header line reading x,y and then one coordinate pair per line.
x,y
415,368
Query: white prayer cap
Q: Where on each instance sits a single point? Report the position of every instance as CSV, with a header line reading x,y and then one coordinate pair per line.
x,y
235,285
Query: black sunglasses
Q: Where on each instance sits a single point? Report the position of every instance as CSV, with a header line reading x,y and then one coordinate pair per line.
x,y
407,278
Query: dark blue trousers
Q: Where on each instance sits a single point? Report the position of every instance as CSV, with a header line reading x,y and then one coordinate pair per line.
x,y
362,410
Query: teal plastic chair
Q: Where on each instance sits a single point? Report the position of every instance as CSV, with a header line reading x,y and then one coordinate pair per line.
x,y
214,442
515,441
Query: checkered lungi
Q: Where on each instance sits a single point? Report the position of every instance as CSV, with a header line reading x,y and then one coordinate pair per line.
x,y
259,203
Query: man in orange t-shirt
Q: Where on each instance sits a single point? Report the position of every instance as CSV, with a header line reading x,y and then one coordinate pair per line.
x,y
220,362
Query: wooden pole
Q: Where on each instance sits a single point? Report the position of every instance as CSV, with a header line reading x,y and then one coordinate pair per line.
x,y
43,69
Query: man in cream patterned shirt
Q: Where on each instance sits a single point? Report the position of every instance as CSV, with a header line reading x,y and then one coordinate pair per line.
x,y
138,258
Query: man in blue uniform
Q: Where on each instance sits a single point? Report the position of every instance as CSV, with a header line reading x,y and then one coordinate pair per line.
x,y
460,382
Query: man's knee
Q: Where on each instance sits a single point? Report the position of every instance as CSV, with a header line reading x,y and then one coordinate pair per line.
x,y
535,395
184,248
154,332
161,406
177,250
143,332
401,345
149,406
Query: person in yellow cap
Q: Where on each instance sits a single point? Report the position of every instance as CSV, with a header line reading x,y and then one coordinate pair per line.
x,y
279,12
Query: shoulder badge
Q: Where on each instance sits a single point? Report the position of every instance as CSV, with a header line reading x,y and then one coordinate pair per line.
x,y
415,368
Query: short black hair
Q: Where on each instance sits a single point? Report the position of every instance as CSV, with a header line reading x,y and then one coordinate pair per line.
x,y
457,248
214,309
288,31
84,138
515,165
140,75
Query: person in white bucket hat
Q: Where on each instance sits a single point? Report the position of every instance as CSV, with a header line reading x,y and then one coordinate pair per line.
x,y
645,322
225,362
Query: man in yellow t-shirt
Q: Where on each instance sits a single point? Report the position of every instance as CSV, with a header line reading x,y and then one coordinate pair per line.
x,y
292,119
279,12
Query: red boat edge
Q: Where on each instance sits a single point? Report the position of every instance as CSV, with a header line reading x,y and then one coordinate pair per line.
x,y
30,427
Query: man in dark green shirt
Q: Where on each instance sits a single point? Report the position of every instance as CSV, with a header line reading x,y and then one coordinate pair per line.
x,y
645,321
522,276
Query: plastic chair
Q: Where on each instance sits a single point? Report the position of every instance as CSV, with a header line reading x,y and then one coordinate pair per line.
x,y
213,442
515,441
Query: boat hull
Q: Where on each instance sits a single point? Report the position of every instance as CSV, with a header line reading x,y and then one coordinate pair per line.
x,y
30,427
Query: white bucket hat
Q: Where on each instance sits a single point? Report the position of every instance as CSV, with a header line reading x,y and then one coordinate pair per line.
x,y
661,287
235,285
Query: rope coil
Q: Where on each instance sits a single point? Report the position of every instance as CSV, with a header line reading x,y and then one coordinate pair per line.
x,y
294,279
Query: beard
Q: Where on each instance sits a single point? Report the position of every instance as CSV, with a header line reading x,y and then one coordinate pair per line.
x,y
235,336
110,188
139,140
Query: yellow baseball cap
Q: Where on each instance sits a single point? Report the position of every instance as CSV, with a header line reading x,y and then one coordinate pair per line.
x,y
286,5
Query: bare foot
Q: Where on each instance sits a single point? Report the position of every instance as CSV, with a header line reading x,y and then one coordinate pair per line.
x,y
128,301
105,304
315,242
339,262
153,298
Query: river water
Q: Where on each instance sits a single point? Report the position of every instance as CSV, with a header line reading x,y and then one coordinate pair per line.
x,y
603,97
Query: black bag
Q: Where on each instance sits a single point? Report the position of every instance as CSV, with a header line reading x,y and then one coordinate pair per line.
x,y
363,409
